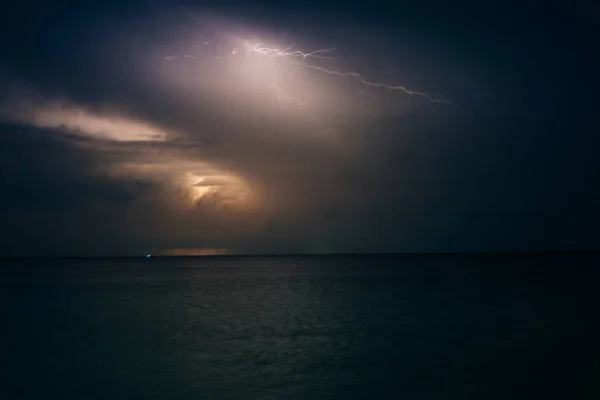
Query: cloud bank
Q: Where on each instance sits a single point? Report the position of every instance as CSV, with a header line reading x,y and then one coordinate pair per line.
x,y
164,139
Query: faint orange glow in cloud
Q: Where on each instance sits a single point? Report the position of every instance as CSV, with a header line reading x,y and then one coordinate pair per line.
x,y
188,183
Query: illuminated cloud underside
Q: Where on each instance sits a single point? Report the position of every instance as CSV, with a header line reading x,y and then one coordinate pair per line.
x,y
187,183
264,86
105,127
76,120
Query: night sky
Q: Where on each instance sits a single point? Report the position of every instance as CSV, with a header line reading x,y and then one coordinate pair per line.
x,y
150,127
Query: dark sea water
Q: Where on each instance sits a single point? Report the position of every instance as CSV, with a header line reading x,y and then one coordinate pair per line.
x,y
385,327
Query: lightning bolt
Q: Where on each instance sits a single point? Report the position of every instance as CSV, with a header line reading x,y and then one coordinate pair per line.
x,y
281,98
272,52
301,104
302,59
286,54
432,98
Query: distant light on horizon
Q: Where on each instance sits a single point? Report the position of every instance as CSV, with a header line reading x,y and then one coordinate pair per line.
x,y
198,252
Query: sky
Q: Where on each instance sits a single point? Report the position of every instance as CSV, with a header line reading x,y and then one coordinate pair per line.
x,y
186,128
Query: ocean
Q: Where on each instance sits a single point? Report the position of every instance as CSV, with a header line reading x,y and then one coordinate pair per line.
x,y
301,327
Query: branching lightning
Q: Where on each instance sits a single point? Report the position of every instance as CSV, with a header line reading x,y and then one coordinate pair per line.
x,y
301,58
271,52
287,54
431,97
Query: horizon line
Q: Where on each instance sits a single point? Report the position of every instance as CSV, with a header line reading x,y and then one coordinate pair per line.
x,y
340,254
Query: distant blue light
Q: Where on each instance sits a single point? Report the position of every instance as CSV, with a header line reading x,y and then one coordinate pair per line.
x,y
148,255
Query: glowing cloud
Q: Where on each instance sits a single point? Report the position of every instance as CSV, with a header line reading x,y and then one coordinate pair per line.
x,y
107,127
188,183
73,119
234,66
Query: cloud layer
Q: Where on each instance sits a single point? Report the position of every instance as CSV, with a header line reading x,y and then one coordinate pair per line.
x,y
76,120
150,136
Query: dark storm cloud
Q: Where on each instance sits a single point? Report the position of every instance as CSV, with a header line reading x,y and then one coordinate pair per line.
x,y
502,173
